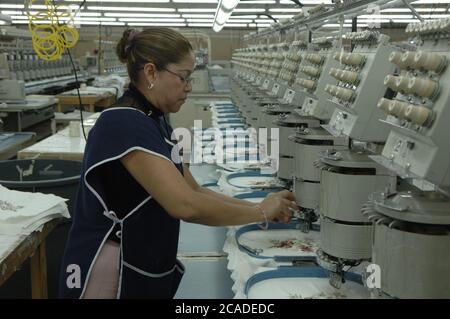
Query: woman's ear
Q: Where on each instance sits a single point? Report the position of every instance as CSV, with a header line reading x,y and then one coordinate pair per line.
x,y
150,72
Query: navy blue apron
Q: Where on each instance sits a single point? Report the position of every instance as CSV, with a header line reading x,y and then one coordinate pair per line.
x,y
147,234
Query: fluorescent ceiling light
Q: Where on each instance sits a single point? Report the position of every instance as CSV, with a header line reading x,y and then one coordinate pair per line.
x,y
205,16
431,1
19,17
282,16
250,10
263,20
90,19
150,20
123,1
197,10
142,15
41,6
75,14
337,25
9,12
26,22
12,6
307,2
195,1
130,9
157,24
240,20
285,10
200,25
417,9
76,22
235,25
200,20
250,16
385,16
259,1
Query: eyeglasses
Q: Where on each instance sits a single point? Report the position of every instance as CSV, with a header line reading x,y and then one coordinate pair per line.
x,y
187,80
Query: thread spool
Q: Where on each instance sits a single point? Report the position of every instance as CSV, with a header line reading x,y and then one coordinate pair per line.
x,y
398,108
423,87
337,56
312,71
408,59
430,61
391,82
349,76
396,58
353,59
345,94
402,83
309,84
418,114
384,104
333,72
315,58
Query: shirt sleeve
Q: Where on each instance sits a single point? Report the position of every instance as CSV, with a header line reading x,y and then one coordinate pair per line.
x,y
118,132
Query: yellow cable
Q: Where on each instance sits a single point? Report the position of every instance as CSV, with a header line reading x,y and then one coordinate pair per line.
x,y
51,38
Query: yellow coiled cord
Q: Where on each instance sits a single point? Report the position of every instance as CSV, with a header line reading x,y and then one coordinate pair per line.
x,y
50,39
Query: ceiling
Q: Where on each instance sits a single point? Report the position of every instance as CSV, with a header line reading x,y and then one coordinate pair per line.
x,y
250,14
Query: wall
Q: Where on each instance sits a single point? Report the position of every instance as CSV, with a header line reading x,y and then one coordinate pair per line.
x,y
222,44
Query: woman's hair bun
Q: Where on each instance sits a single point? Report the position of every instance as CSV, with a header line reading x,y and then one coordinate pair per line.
x,y
124,44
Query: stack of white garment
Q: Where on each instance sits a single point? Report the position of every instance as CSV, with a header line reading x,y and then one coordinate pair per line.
x,y
22,213
115,81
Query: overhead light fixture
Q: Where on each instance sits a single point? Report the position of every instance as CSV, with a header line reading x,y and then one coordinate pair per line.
x,y
162,24
200,16
197,10
195,1
203,25
122,1
169,20
138,9
142,15
224,10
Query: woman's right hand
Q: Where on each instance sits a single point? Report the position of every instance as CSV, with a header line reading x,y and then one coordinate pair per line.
x,y
277,206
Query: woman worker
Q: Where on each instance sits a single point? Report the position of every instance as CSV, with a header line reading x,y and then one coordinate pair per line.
x,y
133,193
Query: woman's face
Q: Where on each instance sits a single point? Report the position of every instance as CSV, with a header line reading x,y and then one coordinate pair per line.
x,y
173,85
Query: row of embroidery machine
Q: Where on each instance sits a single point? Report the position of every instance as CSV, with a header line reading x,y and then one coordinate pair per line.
x,y
357,132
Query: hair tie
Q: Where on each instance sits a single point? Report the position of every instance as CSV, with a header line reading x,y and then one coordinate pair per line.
x,y
130,39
